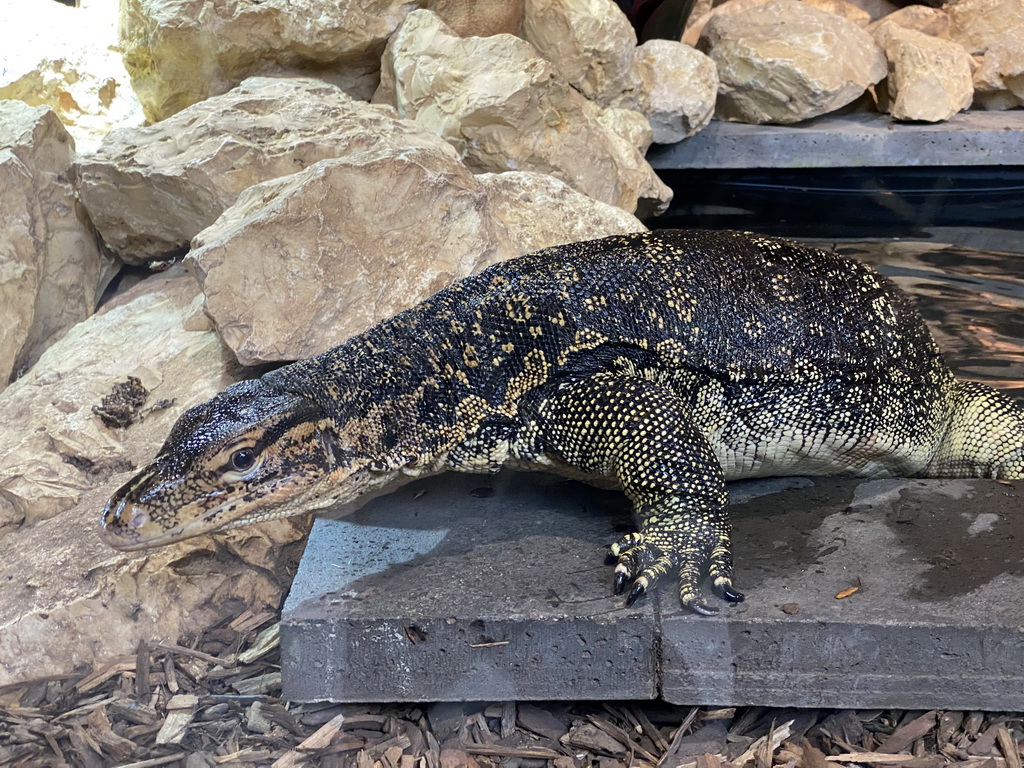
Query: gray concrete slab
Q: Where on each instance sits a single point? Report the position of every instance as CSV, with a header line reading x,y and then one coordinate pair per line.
x,y
435,594
937,621
855,140
466,587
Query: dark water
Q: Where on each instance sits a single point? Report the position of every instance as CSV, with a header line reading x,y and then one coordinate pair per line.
x,y
973,300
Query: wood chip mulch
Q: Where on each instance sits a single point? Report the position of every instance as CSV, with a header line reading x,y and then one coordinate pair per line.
x,y
215,701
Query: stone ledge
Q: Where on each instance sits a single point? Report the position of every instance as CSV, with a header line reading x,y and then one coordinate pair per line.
x,y
467,587
854,140
444,592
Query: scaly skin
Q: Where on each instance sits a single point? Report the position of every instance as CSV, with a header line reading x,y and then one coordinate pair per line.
x,y
663,364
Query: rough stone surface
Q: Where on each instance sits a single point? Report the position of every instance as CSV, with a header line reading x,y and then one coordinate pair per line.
x,y
929,78
784,62
500,582
849,141
59,465
680,85
842,8
539,211
938,568
301,263
481,17
50,265
151,190
181,53
977,24
923,18
506,595
591,44
504,108
62,57
999,80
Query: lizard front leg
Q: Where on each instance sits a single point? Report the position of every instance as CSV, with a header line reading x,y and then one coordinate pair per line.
x,y
640,434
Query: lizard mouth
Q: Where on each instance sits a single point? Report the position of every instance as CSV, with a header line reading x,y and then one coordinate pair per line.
x,y
128,524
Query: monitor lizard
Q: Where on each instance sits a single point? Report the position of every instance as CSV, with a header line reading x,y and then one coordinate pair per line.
x,y
661,363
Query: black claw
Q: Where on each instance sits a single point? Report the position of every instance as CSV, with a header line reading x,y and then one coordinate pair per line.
x,y
702,608
610,559
620,582
635,593
730,593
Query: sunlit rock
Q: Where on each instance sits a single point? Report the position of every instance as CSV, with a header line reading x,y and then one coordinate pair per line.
x,y
539,211
50,265
591,44
929,78
62,57
151,190
680,85
923,18
504,108
181,53
784,62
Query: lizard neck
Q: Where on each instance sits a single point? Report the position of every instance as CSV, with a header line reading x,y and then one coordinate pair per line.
x,y
396,395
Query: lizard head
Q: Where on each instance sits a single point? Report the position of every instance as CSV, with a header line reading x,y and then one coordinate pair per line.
x,y
251,453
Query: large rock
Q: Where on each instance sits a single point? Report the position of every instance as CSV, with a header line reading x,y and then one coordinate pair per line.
x,y
923,18
591,44
50,265
680,85
847,10
282,281
64,58
481,17
977,24
999,80
59,465
300,264
151,190
784,62
183,52
539,211
929,78
505,108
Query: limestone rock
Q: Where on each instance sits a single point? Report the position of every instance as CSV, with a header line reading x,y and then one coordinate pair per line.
x,y
61,57
59,465
999,80
977,24
784,62
680,84
504,108
923,18
590,43
151,190
631,126
339,247
539,211
842,8
480,17
50,265
181,53
929,78
56,447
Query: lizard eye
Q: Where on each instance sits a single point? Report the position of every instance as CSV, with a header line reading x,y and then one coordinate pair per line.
x,y
243,459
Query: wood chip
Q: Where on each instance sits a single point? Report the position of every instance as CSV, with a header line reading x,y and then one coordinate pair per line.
x,y
181,709
907,734
1008,747
320,739
875,758
497,750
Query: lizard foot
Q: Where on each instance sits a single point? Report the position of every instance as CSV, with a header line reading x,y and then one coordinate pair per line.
x,y
644,558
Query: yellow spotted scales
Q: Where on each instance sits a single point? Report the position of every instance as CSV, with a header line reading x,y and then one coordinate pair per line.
x,y
661,363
